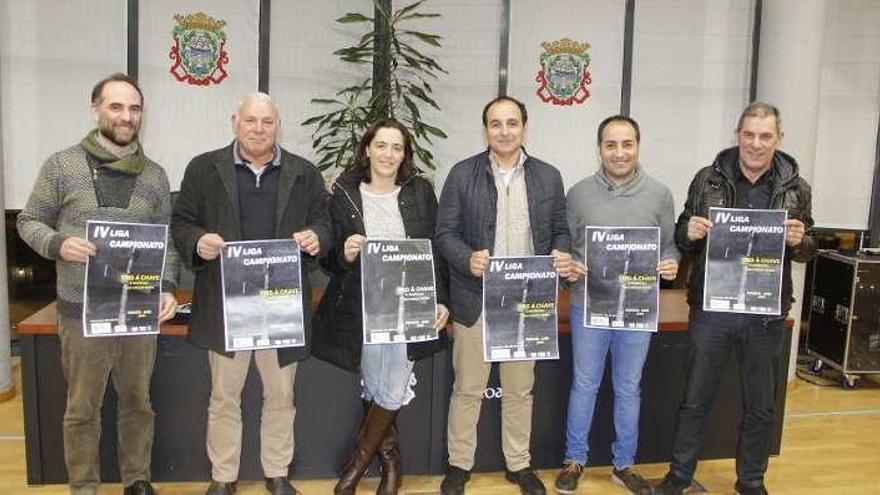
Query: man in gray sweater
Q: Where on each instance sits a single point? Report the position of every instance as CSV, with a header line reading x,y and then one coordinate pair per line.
x,y
104,177
619,194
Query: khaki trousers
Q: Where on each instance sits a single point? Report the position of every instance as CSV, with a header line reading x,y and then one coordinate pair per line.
x,y
471,378
87,364
224,413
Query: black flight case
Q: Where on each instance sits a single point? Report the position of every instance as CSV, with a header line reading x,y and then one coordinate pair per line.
x,y
844,330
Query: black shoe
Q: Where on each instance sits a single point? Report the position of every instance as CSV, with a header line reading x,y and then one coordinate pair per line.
x,y
671,485
139,487
280,486
631,480
567,479
529,484
749,490
220,488
454,481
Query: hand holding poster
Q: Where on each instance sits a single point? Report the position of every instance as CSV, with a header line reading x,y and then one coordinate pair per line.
x,y
744,252
519,309
398,291
623,288
123,283
262,295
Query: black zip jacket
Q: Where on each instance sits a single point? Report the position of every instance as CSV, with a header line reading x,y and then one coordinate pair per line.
x,y
338,321
714,186
466,223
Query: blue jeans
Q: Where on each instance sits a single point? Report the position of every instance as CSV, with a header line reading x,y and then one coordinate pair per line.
x,y
386,370
757,341
628,352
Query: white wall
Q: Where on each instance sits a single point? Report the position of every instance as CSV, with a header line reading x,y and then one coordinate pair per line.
x,y
848,113
51,54
302,64
182,120
563,135
470,51
691,71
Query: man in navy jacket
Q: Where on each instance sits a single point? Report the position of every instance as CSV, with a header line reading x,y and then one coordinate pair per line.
x,y
501,202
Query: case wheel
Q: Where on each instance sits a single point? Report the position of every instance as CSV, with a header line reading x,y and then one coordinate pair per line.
x,y
850,381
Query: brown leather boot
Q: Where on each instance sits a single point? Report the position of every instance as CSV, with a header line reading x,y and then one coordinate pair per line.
x,y
389,464
376,424
366,404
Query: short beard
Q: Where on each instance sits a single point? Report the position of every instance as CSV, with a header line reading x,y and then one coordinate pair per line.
x,y
113,139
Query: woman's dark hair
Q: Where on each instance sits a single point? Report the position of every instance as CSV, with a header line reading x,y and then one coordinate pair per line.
x,y
362,161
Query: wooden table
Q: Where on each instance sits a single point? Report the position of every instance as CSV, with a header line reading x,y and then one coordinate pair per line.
x,y
328,408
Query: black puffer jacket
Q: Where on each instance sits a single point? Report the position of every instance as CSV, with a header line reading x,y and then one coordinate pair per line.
x,y
714,186
337,323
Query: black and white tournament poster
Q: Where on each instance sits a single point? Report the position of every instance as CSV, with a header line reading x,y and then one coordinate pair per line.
x,y
262,295
519,309
123,282
744,252
398,291
623,286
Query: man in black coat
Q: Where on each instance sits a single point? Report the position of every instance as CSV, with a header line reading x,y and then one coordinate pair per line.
x,y
249,190
753,175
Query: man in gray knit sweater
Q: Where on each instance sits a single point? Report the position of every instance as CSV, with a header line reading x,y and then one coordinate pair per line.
x,y
104,177
619,194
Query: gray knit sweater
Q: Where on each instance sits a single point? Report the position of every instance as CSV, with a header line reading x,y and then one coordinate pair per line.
x,y
63,199
642,202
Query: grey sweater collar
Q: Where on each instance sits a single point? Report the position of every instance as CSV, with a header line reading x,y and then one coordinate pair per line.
x,y
620,189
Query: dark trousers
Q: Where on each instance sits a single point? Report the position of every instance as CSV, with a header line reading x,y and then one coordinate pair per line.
x,y
757,341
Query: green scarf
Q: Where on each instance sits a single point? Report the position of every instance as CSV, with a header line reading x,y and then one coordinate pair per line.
x,y
131,165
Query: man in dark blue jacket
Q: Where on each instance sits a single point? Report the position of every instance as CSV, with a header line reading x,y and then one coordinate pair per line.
x,y
501,202
755,175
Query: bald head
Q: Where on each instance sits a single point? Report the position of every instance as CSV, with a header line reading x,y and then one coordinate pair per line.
x,y
253,98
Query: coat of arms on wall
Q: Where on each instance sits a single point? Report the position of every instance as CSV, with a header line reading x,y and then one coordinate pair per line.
x,y
564,73
198,51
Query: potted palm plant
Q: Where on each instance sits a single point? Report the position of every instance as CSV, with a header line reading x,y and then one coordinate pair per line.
x,y
400,86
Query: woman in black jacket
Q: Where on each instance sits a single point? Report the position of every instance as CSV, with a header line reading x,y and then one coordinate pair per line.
x,y
380,197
